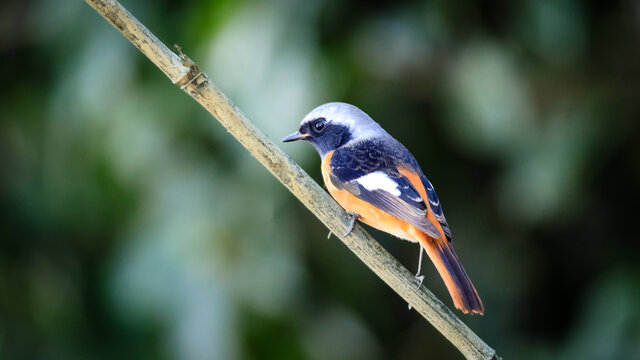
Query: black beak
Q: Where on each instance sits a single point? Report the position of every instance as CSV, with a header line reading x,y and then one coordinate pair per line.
x,y
295,137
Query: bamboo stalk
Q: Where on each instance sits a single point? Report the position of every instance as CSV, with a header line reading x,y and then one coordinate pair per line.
x,y
186,74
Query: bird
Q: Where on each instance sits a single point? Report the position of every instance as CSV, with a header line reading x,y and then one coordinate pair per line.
x,y
379,182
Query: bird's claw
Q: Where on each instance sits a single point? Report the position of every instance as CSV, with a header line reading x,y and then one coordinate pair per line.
x,y
353,217
352,224
420,280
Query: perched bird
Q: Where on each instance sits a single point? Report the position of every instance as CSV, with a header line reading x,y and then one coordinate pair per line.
x,y
375,178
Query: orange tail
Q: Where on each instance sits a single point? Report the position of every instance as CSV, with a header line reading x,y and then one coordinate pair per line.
x,y
464,294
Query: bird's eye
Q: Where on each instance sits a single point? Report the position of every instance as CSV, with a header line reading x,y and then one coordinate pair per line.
x,y
318,126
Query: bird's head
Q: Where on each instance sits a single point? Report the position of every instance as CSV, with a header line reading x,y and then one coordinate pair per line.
x,y
333,125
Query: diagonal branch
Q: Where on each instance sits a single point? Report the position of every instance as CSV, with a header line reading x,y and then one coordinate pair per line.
x,y
186,74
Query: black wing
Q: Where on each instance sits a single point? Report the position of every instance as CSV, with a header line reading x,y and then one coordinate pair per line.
x,y
436,207
368,170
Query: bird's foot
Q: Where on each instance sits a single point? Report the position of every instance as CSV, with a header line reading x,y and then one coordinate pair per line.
x,y
420,279
352,223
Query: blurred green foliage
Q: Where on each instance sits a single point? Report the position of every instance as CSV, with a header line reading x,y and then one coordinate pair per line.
x,y
133,226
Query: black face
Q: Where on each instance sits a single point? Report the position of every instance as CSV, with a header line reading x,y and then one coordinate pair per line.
x,y
325,136
314,128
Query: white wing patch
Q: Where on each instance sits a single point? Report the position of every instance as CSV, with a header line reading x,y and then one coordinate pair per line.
x,y
378,180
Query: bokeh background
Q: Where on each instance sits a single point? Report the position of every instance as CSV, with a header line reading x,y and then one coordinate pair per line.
x,y
133,226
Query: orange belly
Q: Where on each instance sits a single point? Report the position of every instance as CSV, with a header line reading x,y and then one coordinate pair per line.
x,y
375,217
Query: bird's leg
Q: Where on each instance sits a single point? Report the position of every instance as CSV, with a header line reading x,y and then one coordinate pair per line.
x,y
352,223
419,277
353,217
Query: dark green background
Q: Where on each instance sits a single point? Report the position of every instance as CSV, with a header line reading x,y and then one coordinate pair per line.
x,y
134,227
